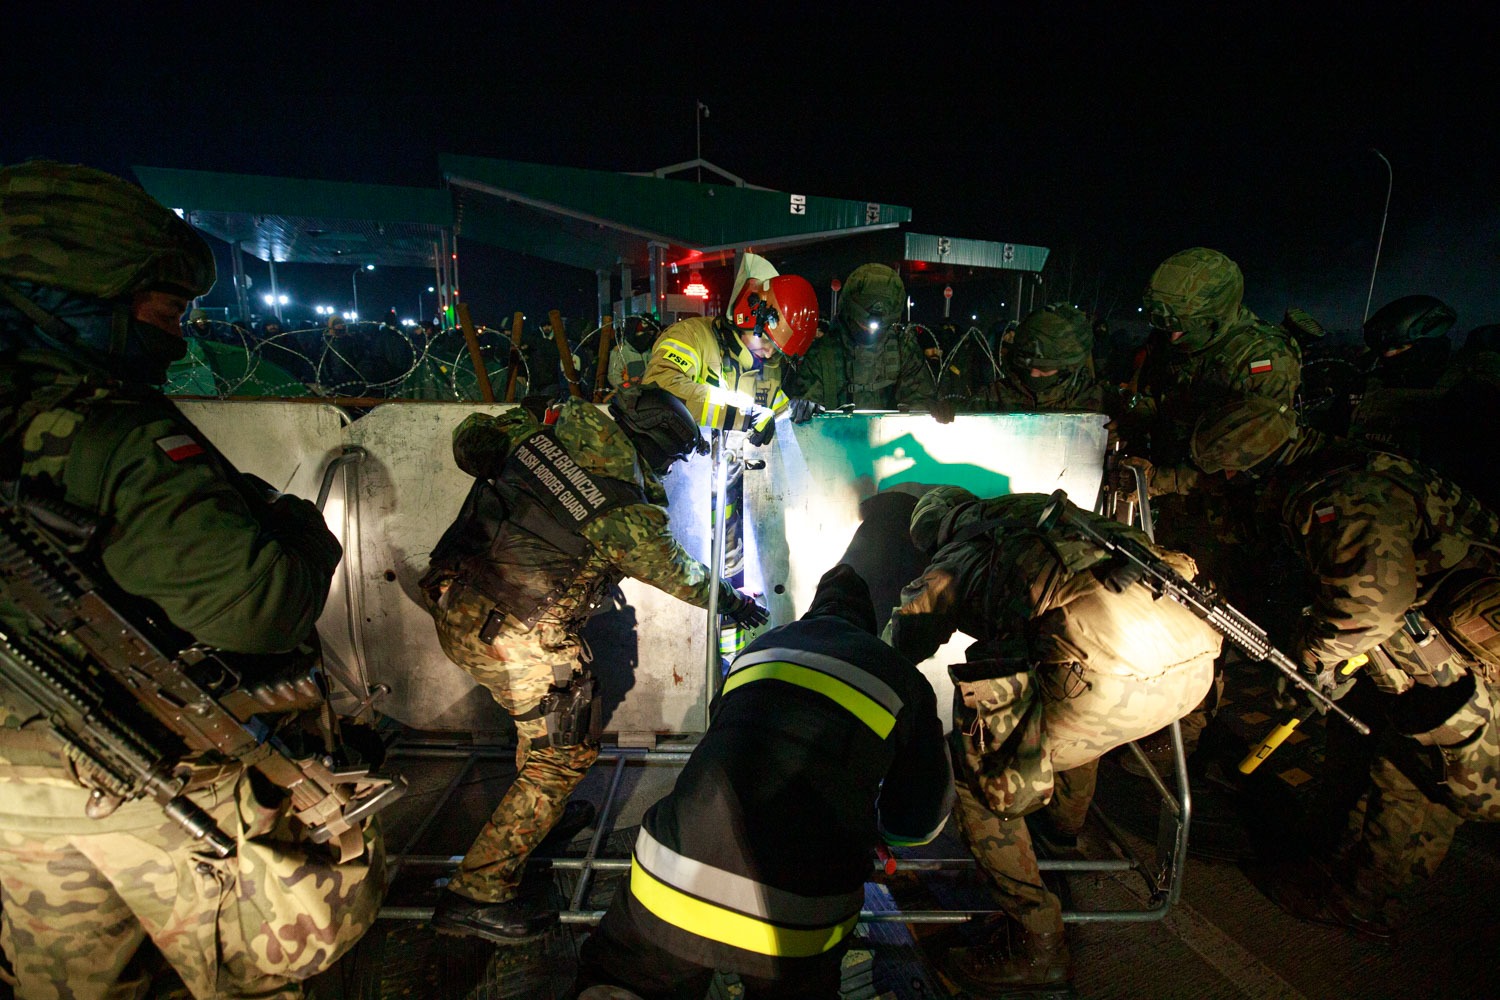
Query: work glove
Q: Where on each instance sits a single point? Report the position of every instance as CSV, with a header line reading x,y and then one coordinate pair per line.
x,y
803,410
943,410
762,426
740,608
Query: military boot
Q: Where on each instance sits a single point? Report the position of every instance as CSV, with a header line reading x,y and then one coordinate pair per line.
x,y
1034,962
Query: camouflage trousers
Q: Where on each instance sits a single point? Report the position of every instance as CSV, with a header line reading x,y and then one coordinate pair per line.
x,y
517,668
1419,796
1002,848
79,898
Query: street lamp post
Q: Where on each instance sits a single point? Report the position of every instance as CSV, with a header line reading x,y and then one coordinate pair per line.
x,y
1390,182
355,282
420,317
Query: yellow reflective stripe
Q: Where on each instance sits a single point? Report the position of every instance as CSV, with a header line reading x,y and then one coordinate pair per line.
x,y
862,706
681,356
727,927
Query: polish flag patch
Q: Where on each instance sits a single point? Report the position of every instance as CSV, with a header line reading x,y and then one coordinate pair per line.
x,y
1260,367
179,447
1323,514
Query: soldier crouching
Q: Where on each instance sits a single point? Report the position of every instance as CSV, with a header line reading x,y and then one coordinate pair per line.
x,y
562,508
1064,670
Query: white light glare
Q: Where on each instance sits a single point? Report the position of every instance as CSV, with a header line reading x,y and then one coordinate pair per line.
x,y
874,325
369,267
408,322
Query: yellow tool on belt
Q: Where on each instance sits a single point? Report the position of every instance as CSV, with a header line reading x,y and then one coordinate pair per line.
x,y
1278,736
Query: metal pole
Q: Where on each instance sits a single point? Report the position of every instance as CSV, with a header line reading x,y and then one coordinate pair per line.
x,y
713,670
240,293
1018,296
1390,182
275,294
355,282
605,308
627,291
658,282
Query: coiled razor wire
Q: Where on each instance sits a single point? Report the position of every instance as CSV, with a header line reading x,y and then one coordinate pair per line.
x,y
364,360
375,360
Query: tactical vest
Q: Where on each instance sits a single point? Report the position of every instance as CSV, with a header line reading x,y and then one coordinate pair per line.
x,y
519,539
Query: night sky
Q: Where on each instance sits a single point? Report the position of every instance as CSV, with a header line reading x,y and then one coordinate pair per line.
x,y
1114,135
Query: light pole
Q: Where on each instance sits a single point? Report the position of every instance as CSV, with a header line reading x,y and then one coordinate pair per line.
x,y
1390,182
355,281
420,317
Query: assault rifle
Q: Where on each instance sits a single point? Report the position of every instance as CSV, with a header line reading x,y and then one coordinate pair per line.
x,y
1138,564
132,711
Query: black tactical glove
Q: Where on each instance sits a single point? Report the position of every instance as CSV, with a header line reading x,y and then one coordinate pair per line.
x,y
299,523
740,608
943,410
803,410
762,426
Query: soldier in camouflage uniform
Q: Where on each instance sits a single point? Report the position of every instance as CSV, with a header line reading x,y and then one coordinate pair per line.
x,y
561,509
94,279
1408,342
1048,366
1063,671
1406,571
1209,352
867,358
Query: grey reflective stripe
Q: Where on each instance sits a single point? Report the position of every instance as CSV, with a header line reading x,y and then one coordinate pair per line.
x,y
862,681
736,892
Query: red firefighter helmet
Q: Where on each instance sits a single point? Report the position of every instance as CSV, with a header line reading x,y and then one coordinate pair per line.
x,y
784,309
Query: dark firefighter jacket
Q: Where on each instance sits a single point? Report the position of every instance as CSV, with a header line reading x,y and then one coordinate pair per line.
x,y
825,742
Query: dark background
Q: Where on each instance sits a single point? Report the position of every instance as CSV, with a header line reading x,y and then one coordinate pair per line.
x,y
1113,134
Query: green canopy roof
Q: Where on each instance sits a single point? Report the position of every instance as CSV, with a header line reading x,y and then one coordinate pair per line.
x,y
597,219
308,221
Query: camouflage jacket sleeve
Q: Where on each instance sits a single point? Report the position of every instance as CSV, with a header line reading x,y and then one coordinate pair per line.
x,y
806,380
191,534
636,538
928,615
1356,541
916,388
1266,366
482,441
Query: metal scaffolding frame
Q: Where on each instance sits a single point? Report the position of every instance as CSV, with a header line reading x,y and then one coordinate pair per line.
x,y
1162,875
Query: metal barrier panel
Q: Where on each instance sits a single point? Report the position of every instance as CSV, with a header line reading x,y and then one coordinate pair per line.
x,y
841,488
407,492
838,487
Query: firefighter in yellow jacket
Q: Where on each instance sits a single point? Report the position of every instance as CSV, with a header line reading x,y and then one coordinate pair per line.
x,y
725,368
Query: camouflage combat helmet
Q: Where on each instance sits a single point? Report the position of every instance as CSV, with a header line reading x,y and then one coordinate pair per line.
x,y
1054,336
931,510
1407,320
1197,292
873,293
1242,436
85,231
75,245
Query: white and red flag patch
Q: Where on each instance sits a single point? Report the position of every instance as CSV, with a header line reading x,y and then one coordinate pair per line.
x,y
1323,514
1260,367
179,447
